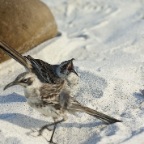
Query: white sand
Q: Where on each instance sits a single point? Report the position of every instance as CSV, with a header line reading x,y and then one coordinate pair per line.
x,y
107,40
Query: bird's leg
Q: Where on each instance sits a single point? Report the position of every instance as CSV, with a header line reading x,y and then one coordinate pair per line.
x,y
46,127
55,124
51,139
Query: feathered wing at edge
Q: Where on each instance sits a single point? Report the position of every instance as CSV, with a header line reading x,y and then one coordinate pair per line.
x,y
15,55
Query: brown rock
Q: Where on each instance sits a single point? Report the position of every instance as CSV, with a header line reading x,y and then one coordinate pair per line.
x,y
25,24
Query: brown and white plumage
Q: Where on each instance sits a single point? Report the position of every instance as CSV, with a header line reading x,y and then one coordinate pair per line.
x,y
49,98
46,72
38,93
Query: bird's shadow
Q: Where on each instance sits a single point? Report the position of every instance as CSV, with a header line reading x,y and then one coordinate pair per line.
x,y
30,122
22,120
14,97
93,139
92,84
133,134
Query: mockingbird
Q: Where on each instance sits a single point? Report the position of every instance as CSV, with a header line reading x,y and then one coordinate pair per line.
x,y
53,99
44,71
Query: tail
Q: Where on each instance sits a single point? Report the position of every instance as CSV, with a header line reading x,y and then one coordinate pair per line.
x,y
14,54
76,106
107,119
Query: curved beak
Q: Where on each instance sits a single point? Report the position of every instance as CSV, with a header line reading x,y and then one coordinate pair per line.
x,y
68,66
72,67
73,71
10,84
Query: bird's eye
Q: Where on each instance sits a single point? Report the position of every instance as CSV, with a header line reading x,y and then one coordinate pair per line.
x,y
25,80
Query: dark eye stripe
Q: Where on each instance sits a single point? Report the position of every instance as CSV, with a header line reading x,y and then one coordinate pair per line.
x,y
27,81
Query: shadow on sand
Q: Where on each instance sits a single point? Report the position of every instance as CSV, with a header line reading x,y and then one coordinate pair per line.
x,y
12,98
29,122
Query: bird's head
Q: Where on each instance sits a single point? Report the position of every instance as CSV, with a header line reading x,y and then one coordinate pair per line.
x,y
65,68
25,79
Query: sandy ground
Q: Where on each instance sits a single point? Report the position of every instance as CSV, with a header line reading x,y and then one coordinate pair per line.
x,y
107,40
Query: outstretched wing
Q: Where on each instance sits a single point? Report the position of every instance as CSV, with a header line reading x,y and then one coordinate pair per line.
x,y
45,72
15,55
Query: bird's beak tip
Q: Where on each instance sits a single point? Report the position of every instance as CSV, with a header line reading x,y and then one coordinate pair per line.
x,y
9,85
75,73
5,88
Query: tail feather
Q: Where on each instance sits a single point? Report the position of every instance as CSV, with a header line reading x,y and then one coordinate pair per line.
x,y
14,54
105,118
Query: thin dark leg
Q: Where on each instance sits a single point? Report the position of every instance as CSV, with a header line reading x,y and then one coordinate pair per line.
x,y
46,126
51,139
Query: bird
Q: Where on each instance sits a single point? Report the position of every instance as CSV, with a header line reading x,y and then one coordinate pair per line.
x,y
45,71
52,99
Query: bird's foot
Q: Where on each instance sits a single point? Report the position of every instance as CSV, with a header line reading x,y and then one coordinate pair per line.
x,y
51,142
40,131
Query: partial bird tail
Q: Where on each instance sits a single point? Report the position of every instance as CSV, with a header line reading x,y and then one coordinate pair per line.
x,y
105,118
14,54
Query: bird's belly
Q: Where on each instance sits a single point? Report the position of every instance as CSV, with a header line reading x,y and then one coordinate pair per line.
x,y
46,110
